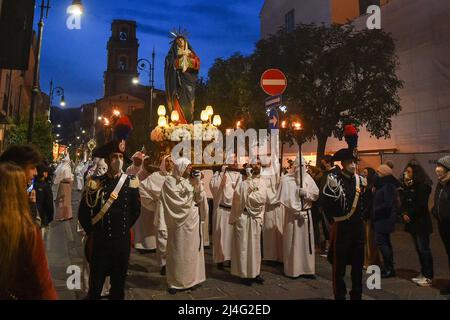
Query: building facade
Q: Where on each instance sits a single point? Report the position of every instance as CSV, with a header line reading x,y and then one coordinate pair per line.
x,y
123,48
120,93
276,14
421,29
15,96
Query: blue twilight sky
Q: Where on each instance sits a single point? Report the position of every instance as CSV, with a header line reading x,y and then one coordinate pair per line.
x,y
76,59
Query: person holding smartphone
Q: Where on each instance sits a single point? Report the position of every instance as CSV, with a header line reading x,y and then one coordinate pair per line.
x,y
28,158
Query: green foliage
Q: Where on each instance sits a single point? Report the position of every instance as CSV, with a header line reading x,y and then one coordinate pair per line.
x,y
42,135
229,90
336,75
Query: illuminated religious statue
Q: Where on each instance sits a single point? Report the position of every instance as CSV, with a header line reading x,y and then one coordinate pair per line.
x,y
181,72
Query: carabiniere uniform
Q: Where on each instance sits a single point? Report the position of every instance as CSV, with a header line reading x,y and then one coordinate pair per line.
x,y
343,199
108,247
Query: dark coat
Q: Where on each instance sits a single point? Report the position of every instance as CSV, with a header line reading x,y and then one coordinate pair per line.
x,y
44,202
441,209
385,204
415,206
334,207
121,216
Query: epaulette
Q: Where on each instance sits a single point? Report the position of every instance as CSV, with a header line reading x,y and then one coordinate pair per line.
x,y
93,184
134,182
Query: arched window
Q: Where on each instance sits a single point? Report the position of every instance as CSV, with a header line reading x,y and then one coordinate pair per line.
x,y
122,63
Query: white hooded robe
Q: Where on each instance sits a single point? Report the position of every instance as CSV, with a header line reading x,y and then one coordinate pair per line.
x,y
185,265
247,218
298,244
223,199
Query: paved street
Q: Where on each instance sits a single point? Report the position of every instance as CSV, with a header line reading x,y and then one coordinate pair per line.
x,y
145,283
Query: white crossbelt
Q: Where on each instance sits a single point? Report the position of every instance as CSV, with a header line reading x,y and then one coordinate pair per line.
x,y
354,205
112,197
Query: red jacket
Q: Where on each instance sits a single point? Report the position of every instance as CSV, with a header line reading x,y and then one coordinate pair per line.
x,y
32,280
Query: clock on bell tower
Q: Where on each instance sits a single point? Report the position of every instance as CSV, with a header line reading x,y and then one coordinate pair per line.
x,y
122,58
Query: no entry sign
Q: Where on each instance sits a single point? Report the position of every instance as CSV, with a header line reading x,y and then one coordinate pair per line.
x,y
273,82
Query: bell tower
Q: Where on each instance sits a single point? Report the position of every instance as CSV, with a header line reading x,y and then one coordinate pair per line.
x,y
122,58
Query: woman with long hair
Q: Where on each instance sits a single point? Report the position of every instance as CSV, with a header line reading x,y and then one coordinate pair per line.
x,y
24,273
416,215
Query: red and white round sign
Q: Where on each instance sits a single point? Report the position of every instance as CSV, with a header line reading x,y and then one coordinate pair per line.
x,y
273,82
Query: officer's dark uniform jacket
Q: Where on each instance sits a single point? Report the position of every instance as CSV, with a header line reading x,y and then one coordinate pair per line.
x,y
336,206
347,239
122,214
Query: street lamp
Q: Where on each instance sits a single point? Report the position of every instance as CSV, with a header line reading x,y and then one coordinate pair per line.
x,y
58,91
149,67
135,80
59,126
37,66
76,8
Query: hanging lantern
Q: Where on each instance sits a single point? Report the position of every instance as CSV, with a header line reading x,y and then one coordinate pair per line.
x,y
175,117
209,110
161,110
162,121
217,121
204,115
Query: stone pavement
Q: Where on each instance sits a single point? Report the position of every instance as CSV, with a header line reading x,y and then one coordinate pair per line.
x,y
145,283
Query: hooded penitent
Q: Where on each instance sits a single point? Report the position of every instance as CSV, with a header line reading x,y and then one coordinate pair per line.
x,y
63,171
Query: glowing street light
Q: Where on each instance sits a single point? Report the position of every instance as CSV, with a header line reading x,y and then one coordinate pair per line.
x,y
99,118
76,8
63,102
59,126
135,80
116,113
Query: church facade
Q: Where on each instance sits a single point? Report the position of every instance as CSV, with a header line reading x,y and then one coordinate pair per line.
x,y
120,93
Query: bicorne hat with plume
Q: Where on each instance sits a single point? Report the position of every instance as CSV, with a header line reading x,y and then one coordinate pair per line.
x,y
351,137
121,130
